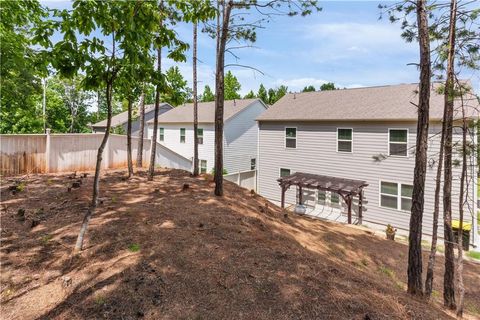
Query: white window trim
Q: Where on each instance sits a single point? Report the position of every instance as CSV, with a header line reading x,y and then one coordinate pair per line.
x,y
351,151
203,137
200,165
328,200
399,195
408,142
160,134
185,136
285,137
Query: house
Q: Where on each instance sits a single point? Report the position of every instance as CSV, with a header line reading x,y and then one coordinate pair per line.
x,y
119,121
240,139
332,150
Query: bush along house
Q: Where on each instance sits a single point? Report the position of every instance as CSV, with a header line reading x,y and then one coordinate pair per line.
x,y
348,155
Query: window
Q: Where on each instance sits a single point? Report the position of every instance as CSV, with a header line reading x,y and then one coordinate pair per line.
x,y
406,197
290,137
199,136
284,172
253,164
396,195
344,140
397,142
182,135
321,197
203,166
161,134
334,198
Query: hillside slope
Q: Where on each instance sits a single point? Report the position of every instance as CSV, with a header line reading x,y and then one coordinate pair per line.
x,y
159,251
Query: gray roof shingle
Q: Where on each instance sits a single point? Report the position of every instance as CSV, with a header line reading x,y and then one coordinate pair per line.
x,y
394,102
206,111
122,118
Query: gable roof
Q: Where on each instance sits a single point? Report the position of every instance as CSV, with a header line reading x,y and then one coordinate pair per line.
x,y
383,103
206,111
122,118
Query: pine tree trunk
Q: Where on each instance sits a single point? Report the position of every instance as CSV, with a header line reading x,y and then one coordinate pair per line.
x,y
141,111
153,150
461,202
436,211
96,180
414,271
219,98
129,140
195,103
449,275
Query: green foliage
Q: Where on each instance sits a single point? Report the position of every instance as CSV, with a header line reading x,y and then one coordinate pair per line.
x,y
134,247
224,171
21,67
327,86
177,91
207,95
262,93
474,255
250,95
309,89
232,87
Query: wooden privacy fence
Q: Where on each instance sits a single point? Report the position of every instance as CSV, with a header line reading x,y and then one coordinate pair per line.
x,y
43,153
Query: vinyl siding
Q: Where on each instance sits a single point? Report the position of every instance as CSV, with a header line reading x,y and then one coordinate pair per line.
x,y
316,153
241,138
172,141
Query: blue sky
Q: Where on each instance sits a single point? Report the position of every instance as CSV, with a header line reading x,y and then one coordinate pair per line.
x,y
345,43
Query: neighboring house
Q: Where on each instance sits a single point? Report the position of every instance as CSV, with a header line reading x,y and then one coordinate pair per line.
x,y
119,121
240,139
365,134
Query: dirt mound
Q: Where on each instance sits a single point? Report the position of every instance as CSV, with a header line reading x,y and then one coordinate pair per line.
x,y
159,250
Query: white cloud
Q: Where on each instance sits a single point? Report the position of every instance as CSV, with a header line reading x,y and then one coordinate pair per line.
x,y
337,41
298,84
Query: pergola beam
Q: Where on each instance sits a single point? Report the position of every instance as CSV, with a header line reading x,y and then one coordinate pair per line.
x,y
346,188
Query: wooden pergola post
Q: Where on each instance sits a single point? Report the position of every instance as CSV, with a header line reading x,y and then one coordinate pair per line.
x,y
360,206
300,195
283,196
349,203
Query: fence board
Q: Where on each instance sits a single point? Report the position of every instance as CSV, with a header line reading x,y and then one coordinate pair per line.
x,y
22,154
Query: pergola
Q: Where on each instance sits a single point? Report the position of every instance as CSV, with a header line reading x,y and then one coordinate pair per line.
x,y
346,188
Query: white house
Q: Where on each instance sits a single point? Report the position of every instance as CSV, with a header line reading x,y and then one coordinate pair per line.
x,y
356,144
175,131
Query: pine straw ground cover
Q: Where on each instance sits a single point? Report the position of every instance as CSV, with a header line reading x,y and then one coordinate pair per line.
x,y
156,250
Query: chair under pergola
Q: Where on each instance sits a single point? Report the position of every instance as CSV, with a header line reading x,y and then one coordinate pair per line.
x,y
345,188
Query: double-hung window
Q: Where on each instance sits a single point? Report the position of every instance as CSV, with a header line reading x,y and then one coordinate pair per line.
x,y
291,138
182,135
398,142
321,197
199,136
344,140
253,163
396,195
161,134
203,166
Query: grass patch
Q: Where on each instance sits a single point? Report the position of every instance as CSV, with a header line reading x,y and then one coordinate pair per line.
x,y
435,294
100,300
387,271
364,262
472,309
474,254
46,238
134,247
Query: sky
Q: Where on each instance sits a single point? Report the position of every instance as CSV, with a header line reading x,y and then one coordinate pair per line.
x,y
346,43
